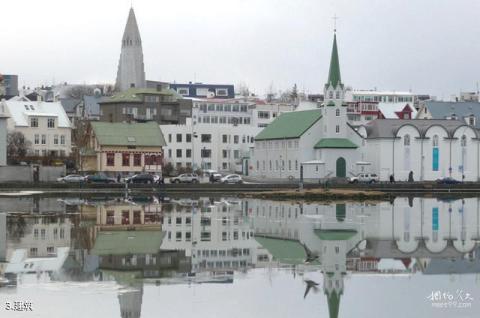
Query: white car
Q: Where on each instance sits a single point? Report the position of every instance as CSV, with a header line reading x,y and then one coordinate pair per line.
x,y
232,178
72,178
365,177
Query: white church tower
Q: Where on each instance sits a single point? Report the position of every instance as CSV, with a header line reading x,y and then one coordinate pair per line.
x,y
335,109
131,71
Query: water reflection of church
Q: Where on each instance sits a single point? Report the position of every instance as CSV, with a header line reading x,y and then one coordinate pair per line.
x,y
139,243
405,236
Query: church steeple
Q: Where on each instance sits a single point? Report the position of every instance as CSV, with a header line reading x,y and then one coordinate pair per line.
x,y
334,77
131,35
131,70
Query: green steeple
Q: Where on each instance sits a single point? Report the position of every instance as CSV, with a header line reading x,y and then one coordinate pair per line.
x,y
334,77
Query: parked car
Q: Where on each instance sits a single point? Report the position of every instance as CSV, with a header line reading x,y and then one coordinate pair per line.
x,y
448,180
232,178
141,178
215,177
365,177
185,178
99,178
72,178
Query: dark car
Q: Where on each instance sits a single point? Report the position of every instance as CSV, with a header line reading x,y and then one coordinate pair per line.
x,y
99,178
448,180
142,178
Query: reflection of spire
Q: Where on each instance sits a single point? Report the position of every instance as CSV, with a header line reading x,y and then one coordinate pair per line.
x,y
333,303
131,302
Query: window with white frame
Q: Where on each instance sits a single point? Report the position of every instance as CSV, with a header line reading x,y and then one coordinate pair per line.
x,y
221,92
406,140
184,91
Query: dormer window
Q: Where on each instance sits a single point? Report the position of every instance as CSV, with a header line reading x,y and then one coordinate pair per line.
x,y
471,120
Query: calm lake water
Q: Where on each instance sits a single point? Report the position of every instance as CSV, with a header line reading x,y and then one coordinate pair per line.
x,y
146,256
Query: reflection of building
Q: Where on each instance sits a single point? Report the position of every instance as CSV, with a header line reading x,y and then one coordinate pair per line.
x,y
439,236
216,236
129,216
37,244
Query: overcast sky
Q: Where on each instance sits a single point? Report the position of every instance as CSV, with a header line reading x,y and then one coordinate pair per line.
x,y
427,46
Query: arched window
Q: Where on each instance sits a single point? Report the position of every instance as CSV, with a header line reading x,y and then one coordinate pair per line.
x,y
435,141
330,94
337,95
406,140
464,141
337,112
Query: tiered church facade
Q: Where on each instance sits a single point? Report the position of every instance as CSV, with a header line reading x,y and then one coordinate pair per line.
x,y
327,146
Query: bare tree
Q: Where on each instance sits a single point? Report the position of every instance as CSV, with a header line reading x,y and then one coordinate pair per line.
x,y
17,146
78,91
243,90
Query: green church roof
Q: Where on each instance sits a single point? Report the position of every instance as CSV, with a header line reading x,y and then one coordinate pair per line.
x,y
335,235
335,143
284,251
127,242
334,77
128,134
290,125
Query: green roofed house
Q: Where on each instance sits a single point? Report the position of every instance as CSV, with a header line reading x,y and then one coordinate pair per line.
x,y
319,140
163,106
120,148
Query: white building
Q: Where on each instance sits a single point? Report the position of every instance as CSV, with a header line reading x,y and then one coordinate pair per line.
x,y
222,147
45,125
265,113
430,149
328,146
379,96
222,111
320,139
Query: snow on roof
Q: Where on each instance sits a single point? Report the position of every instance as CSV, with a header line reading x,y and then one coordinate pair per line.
x,y
21,263
20,111
389,109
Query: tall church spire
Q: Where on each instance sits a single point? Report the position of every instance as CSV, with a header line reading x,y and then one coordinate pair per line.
x,y
131,70
334,77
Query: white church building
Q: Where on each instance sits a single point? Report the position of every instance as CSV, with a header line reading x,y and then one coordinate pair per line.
x,y
327,146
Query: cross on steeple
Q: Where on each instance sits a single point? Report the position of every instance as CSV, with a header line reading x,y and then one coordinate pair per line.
x,y
335,18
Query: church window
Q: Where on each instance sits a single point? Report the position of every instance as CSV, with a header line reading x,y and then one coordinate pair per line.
x,y
270,165
464,141
290,165
406,140
330,94
435,141
337,112
296,165
337,95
